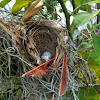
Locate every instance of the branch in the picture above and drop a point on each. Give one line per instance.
(73, 3)
(67, 16)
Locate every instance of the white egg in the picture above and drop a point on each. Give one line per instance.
(46, 55)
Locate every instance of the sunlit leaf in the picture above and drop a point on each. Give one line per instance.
(87, 93)
(65, 0)
(93, 57)
(96, 52)
(60, 10)
(83, 17)
(91, 61)
(33, 9)
(88, 26)
(4, 2)
(79, 37)
(83, 7)
(86, 45)
(85, 3)
(90, 1)
(20, 4)
(86, 8)
(77, 3)
(98, 14)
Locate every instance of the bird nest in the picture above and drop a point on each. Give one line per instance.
(35, 38)
(42, 39)
(38, 37)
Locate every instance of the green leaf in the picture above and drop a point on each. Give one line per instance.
(95, 25)
(86, 45)
(90, 1)
(49, 5)
(51, 18)
(86, 8)
(60, 10)
(65, 1)
(20, 4)
(91, 61)
(96, 52)
(83, 7)
(87, 93)
(85, 2)
(98, 14)
(88, 26)
(55, 16)
(80, 38)
(56, 3)
(96, 65)
(83, 17)
(93, 57)
(4, 2)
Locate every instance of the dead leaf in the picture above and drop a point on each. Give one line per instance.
(64, 77)
(33, 9)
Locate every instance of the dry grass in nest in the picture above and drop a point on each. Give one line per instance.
(42, 36)
(34, 38)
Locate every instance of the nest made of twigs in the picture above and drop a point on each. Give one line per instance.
(42, 36)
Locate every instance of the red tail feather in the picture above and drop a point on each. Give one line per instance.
(41, 69)
(64, 77)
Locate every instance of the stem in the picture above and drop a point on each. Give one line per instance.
(73, 3)
(76, 9)
(67, 16)
(98, 17)
(9, 64)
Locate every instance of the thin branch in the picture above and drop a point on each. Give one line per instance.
(67, 16)
(73, 3)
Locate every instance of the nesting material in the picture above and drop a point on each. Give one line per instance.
(44, 40)
(43, 36)
(40, 40)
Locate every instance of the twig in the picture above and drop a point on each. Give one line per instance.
(3, 25)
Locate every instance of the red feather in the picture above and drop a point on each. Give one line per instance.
(39, 70)
(64, 77)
